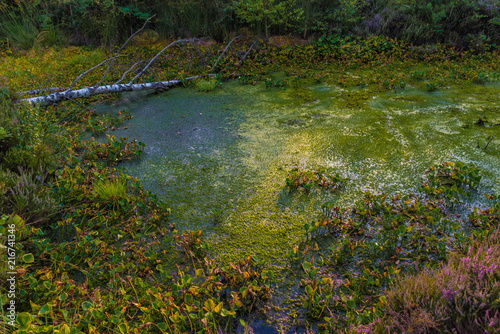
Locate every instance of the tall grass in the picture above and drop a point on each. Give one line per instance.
(20, 32)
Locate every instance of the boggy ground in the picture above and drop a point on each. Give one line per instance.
(273, 170)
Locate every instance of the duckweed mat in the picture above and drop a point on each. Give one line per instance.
(220, 159)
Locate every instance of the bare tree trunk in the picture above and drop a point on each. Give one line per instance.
(106, 89)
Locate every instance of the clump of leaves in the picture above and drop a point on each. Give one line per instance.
(487, 218)
(206, 86)
(449, 180)
(303, 179)
(98, 124)
(113, 151)
(417, 76)
(431, 87)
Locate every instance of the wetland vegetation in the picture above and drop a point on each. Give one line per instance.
(345, 180)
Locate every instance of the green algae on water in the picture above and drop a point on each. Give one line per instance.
(229, 151)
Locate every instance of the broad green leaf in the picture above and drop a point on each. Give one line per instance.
(28, 258)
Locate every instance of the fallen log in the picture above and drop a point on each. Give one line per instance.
(117, 87)
(106, 89)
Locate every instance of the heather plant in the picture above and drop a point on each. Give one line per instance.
(7, 180)
(31, 198)
(462, 296)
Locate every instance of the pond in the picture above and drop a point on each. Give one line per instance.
(220, 159)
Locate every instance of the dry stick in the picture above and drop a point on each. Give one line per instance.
(242, 59)
(223, 53)
(130, 69)
(119, 50)
(156, 56)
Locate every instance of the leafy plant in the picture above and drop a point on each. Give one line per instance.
(449, 180)
(431, 87)
(306, 179)
(110, 192)
(206, 85)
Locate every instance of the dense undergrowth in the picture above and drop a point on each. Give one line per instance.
(466, 24)
(95, 251)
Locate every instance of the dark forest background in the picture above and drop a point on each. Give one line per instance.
(464, 24)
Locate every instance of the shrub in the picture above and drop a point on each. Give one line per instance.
(31, 197)
(460, 297)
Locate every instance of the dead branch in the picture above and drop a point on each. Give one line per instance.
(70, 94)
(121, 48)
(127, 71)
(227, 46)
(87, 71)
(156, 56)
(242, 59)
(91, 91)
(41, 90)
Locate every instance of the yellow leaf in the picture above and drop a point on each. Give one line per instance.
(218, 308)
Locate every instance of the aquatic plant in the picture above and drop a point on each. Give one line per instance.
(98, 124)
(206, 85)
(449, 180)
(111, 152)
(304, 179)
(378, 239)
